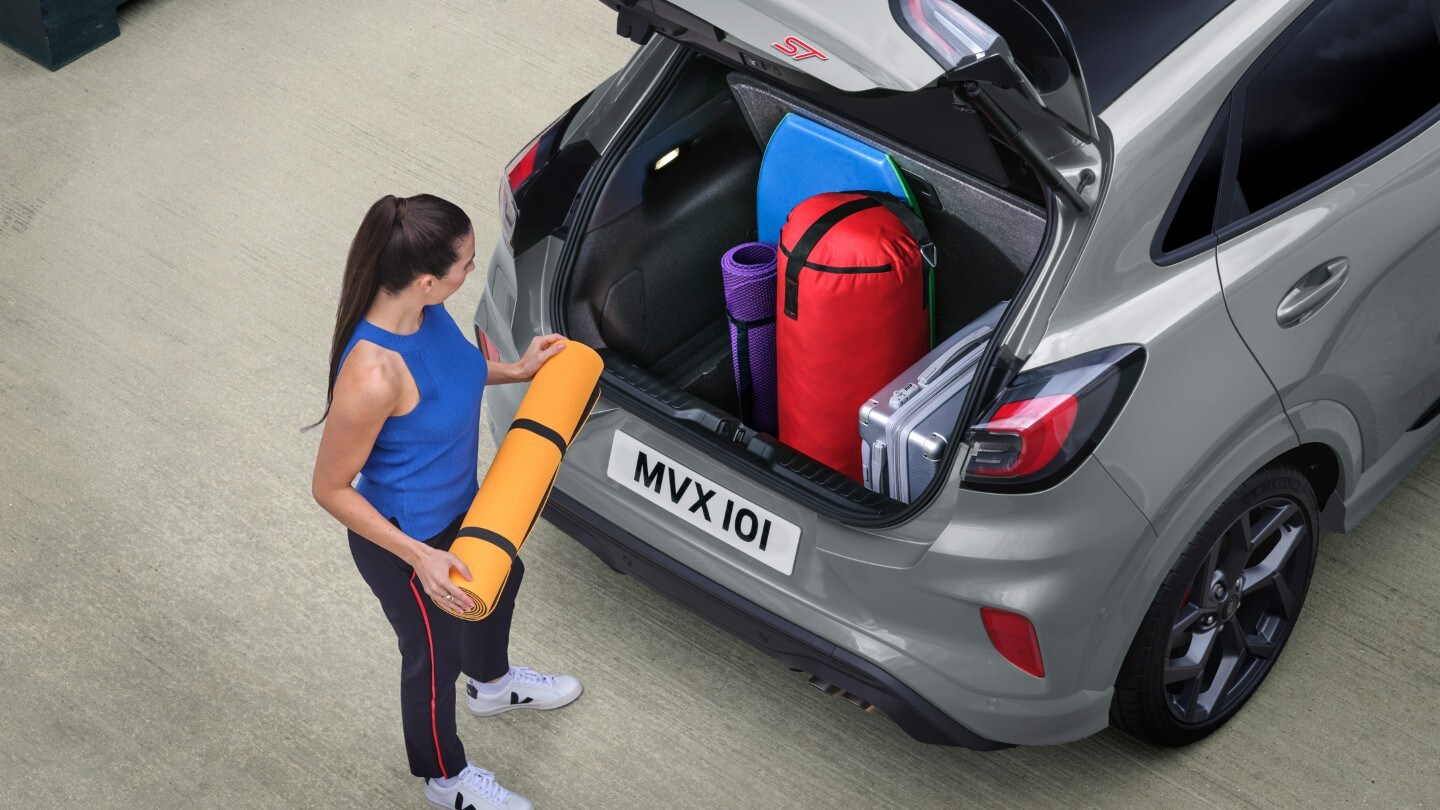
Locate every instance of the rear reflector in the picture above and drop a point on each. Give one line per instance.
(1014, 638)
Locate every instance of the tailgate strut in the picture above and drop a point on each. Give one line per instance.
(976, 97)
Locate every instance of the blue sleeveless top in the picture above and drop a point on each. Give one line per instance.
(422, 470)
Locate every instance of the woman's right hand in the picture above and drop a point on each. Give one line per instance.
(542, 348)
(433, 568)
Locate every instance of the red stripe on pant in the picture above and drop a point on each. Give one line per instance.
(434, 729)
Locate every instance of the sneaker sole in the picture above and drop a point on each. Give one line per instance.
(512, 707)
(450, 806)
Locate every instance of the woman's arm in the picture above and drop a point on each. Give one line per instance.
(500, 373)
(542, 348)
(365, 395)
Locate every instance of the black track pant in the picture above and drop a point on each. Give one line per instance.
(435, 648)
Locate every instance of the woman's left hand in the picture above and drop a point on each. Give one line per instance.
(542, 348)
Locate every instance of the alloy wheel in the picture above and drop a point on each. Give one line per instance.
(1238, 610)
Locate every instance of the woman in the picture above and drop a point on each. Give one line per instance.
(403, 412)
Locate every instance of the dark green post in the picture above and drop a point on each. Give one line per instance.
(57, 32)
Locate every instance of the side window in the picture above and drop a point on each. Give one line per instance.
(1356, 74)
(1342, 82)
(1192, 216)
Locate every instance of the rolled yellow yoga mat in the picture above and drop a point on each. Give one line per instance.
(520, 478)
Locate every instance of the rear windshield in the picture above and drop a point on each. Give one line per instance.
(1118, 41)
(928, 121)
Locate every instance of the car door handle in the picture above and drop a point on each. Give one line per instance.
(1311, 292)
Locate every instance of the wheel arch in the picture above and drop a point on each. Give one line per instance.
(1327, 427)
(1320, 465)
(1279, 493)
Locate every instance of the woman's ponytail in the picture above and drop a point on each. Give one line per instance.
(398, 239)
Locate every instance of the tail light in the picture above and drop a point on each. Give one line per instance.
(1049, 420)
(1013, 636)
(492, 354)
(523, 165)
(519, 170)
(515, 175)
(542, 181)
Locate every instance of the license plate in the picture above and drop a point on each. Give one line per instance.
(702, 503)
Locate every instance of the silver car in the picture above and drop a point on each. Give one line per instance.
(1217, 228)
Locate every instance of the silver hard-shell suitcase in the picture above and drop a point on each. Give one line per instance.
(905, 428)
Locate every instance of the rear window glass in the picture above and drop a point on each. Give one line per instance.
(1118, 41)
(928, 121)
(1354, 76)
(1194, 216)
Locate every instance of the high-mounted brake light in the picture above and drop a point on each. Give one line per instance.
(1013, 636)
(951, 35)
(1049, 419)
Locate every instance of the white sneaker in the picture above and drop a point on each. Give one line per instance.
(474, 789)
(525, 689)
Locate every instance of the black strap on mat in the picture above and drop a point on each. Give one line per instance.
(742, 358)
(800, 255)
(540, 430)
(494, 538)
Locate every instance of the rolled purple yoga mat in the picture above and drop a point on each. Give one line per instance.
(749, 272)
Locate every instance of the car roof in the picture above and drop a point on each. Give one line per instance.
(1118, 41)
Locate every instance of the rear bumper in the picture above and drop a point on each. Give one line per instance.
(793, 646)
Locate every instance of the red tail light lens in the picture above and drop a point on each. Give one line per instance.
(516, 173)
(542, 180)
(1013, 636)
(487, 348)
(1049, 419)
(523, 165)
(1036, 430)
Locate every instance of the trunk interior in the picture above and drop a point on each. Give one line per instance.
(646, 283)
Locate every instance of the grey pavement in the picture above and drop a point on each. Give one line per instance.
(183, 627)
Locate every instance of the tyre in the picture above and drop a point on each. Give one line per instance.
(1223, 613)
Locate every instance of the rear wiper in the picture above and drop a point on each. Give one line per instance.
(974, 95)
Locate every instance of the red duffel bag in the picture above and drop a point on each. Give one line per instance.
(853, 315)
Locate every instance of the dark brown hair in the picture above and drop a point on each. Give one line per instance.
(399, 239)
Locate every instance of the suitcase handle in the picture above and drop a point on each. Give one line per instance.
(956, 352)
(877, 477)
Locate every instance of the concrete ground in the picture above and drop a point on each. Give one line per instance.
(183, 627)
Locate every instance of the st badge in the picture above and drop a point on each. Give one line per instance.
(796, 49)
